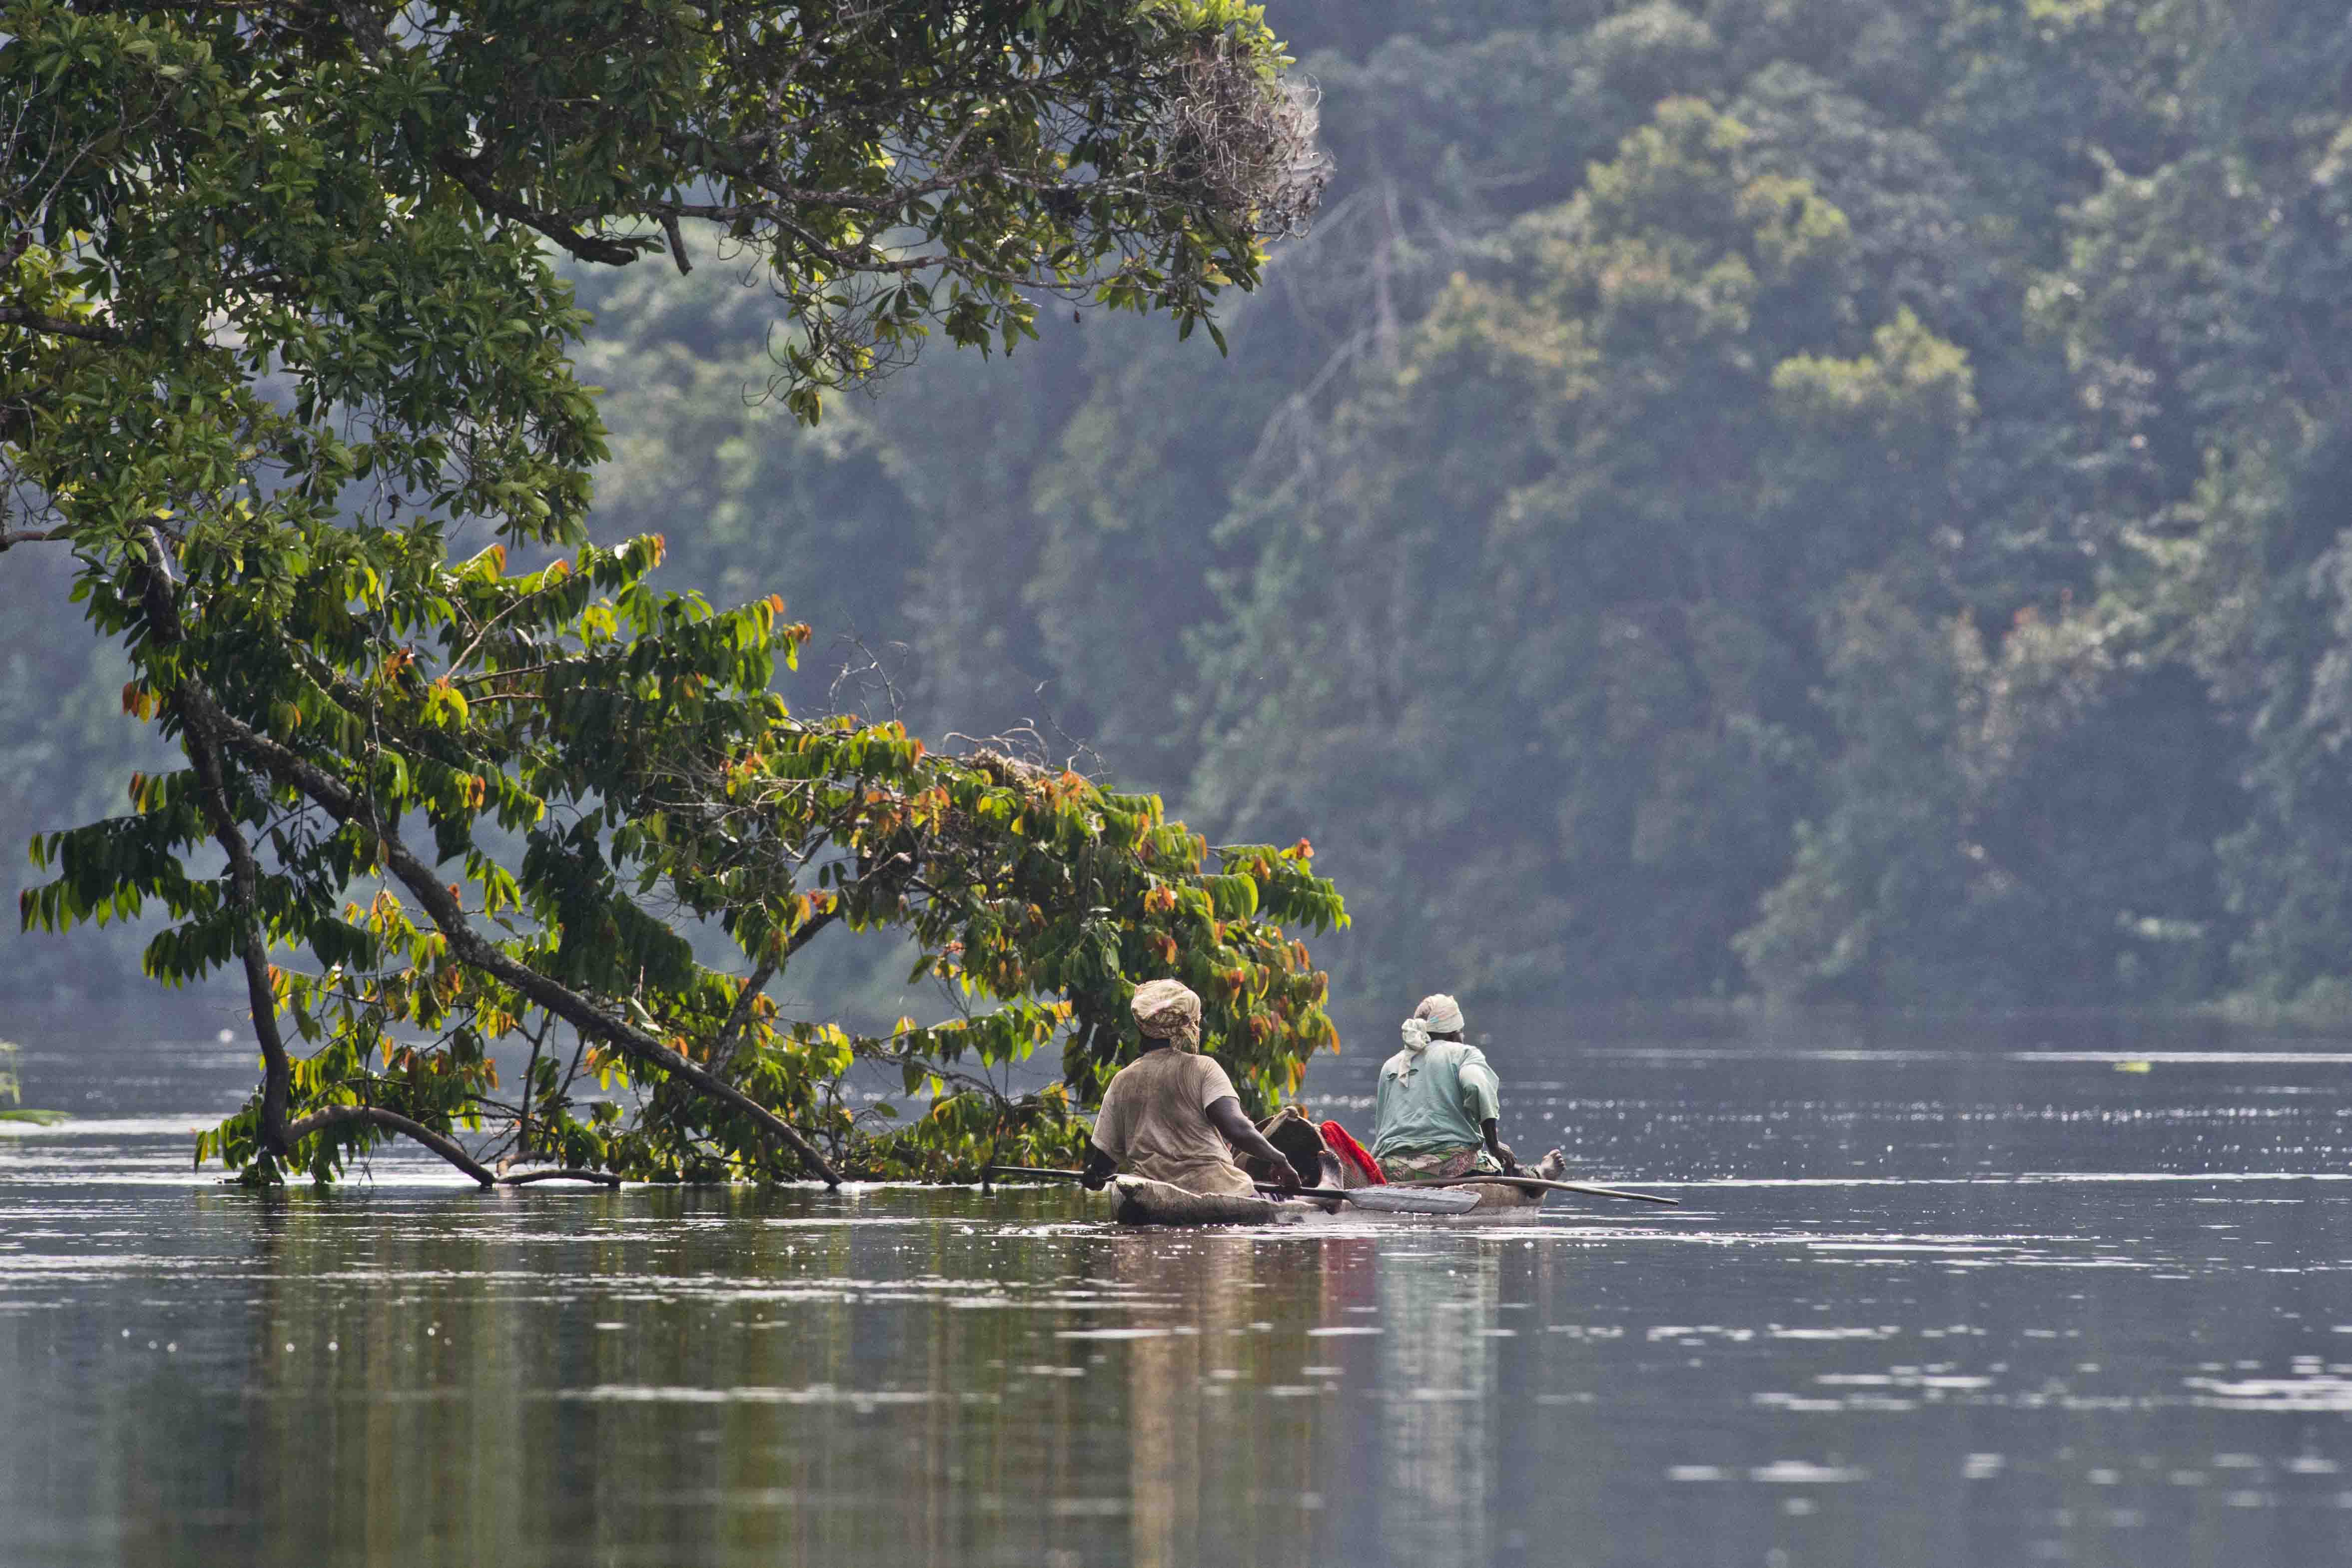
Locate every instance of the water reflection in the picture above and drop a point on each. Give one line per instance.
(1438, 1376)
(1921, 1306)
(1185, 1357)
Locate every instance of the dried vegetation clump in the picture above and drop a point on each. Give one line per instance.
(1243, 142)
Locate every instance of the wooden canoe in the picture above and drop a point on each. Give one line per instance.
(1137, 1201)
(1495, 1197)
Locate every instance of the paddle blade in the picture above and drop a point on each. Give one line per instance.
(1591, 1191)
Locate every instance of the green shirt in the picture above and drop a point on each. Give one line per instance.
(1432, 1101)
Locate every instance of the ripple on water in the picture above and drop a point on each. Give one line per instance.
(821, 1394)
(1803, 1472)
(2316, 1395)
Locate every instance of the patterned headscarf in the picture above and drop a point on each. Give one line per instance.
(1437, 1015)
(1167, 1010)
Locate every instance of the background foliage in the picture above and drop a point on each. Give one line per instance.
(1833, 498)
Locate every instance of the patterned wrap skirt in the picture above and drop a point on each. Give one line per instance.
(1446, 1163)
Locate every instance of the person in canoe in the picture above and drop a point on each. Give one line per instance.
(1171, 1114)
(1435, 1111)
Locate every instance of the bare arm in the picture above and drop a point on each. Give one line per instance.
(1225, 1116)
(1500, 1150)
(1100, 1168)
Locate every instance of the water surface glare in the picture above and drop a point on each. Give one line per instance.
(1938, 1295)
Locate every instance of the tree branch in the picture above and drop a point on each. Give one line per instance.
(376, 1116)
(530, 1078)
(59, 326)
(757, 982)
(470, 945)
(212, 794)
(278, 1134)
(723, 1050)
(468, 173)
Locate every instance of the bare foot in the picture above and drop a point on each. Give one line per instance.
(1551, 1167)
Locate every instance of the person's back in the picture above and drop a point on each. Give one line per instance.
(1154, 1118)
(1171, 1114)
(1432, 1101)
(1434, 1113)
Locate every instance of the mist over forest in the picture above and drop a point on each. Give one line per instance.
(1828, 500)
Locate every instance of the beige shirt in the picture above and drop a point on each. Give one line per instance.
(1154, 1120)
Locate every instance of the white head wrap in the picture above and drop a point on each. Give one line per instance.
(1168, 1010)
(1438, 1014)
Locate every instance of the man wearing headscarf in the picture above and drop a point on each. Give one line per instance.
(1436, 1107)
(1171, 1114)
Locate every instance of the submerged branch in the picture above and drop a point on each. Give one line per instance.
(391, 1121)
(560, 1173)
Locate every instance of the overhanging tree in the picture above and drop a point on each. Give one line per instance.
(278, 329)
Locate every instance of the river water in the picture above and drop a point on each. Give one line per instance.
(1941, 1291)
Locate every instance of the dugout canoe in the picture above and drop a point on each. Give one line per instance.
(1137, 1201)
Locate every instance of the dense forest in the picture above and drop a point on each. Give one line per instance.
(1825, 500)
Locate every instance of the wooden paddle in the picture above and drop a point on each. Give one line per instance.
(1385, 1200)
(1379, 1200)
(1531, 1183)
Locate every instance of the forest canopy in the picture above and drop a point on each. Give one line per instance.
(1830, 499)
(1837, 500)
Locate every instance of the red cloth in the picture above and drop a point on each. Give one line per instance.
(1355, 1153)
